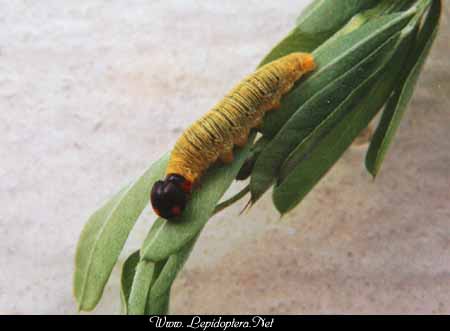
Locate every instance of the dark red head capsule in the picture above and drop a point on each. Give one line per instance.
(169, 197)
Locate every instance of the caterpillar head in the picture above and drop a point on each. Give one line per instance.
(169, 196)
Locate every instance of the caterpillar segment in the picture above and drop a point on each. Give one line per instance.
(226, 125)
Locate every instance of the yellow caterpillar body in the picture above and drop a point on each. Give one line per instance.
(228, 123)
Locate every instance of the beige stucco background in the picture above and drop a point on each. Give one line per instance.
(91, 92)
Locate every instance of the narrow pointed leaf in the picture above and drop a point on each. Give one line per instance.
(384, 7)
(104, 236)
(401, 49)
(398, 103)
(333, 60)
(357, 94)
(339, 79)
(317, 23)
(126, 279)
(158, 300)
(129, 272)
(329, 15)
(159, 305)
(170, 270)
(140, 288)
(307, 173)
(305, 167)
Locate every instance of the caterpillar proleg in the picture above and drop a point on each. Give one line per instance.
(227, 124)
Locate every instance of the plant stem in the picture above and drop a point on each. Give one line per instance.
(221, 206)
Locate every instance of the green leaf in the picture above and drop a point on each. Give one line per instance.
(376, 64)
(336, 77)
(129, 270)
(329, 15)
(173, 235)
(317, 23)
(402, 47)
(171, 268)
(398, 103)
(140, 288)
(104, 236)
(384, 7)
(126, 279)
(159, 305)
(333, 60)
(306, 166)
(158, 299)
(158, 289)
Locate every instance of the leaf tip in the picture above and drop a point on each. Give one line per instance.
(247, 206)
(372, 167)
(80, 307)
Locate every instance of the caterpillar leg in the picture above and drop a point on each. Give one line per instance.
(276, 105)
(242, 139)
(258, 125)
(227, 155)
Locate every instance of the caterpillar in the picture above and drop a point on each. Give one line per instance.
(227, 124)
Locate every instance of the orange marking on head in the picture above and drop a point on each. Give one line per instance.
(176, 211)
(156, 210)
(187, 186)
